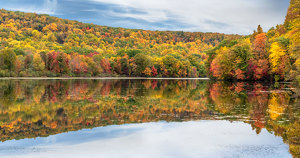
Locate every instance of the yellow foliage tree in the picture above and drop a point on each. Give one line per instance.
(38, 62)
(276, 53)
(36, 34)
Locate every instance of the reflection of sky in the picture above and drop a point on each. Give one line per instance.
(186, 139)
(230, 16)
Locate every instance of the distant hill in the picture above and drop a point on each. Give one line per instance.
(43, 45)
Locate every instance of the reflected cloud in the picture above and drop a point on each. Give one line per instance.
(186, 139)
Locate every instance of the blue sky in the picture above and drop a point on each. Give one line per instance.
(225, 16)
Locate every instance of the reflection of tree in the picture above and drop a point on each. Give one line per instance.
(41, 108)
(293, 138)
(277, 104)
(275, 109)
(258, 98)
(8, 94)
(227, 100)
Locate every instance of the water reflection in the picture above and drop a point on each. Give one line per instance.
(206, 139)
(39, 108)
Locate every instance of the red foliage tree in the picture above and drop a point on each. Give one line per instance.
(260, 63)
(154, 71)
(105, 64)
(259, 46)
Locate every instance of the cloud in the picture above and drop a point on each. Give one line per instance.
(225, 16)
(157, 139)
(41, 7)
(230, 16)
(49, 6)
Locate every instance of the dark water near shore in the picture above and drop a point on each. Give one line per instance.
(148, 118)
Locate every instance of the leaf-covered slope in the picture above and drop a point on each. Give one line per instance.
(28, 38)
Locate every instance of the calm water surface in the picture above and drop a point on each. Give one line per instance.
(148, 118)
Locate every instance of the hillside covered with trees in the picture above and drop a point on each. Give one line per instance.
(42, 45)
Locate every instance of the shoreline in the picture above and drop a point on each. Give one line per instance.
(98, 78)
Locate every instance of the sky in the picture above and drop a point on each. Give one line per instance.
(224, 16)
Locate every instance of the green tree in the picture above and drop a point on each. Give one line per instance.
(170, 64)
(124, 65)
(142, 61)
(9, 58)
(259, 29)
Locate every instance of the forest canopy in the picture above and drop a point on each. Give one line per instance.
(42, 45)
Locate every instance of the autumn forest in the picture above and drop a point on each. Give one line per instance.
(39, 45)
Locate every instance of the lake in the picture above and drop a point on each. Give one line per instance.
(148, 118)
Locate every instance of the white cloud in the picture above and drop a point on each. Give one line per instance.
(230, 16)
(226, 16)
(47, 7)
(187, 139)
